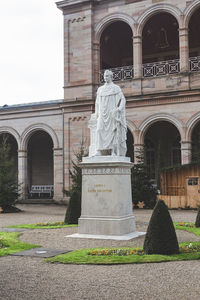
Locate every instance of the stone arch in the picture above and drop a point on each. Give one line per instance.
(159, 117)
(155, 9)
(33, 128)
(131, 126)
(188, 12)
(12, 131)
(191, 123)
(99, 28)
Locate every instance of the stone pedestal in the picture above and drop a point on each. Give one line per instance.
(106, 199)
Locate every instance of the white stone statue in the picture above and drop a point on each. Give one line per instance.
(109, 120)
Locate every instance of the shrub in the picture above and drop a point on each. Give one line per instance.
(197, 222)
(161, 236)
(73, 212)
(9, 189)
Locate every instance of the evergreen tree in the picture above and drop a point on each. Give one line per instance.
(142, 189)
(74, 207)
(197, 222)
(161, 236)
(9, 189)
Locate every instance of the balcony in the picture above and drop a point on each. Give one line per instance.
(156, 69)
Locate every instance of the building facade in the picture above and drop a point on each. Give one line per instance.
(153, 49)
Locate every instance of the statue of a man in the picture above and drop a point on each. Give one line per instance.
(111, 119)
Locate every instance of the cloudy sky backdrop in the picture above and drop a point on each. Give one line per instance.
(31, 51)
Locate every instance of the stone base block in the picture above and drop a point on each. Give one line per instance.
(106, 226)
(124, 237)
(106, 196)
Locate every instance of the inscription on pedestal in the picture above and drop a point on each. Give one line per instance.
(100, 188)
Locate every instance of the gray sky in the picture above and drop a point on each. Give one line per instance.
(31, 51)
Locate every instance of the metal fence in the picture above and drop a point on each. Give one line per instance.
(119, 74)
(194, 64)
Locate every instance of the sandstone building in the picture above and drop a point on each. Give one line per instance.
(153, 48)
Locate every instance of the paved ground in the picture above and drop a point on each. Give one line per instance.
(30, 278)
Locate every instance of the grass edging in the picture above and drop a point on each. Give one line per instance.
(37, 226)
(9, 243)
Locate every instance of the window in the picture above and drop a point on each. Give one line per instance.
(193, 181)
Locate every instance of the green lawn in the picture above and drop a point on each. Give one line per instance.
(43, 225)
(190, 227)
(9, 243)
(82, 257)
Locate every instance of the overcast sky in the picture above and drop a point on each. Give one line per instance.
(31, 51)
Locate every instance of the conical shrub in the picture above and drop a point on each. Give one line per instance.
(161, 236)
(73, 212)
(197, 222)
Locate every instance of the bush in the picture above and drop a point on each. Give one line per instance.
(161, 236)
(73, 212)
(9, 189)
(197, 222)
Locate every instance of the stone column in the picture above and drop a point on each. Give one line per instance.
(96, 62)
(58, 175)
(186, 152)
(22, 173)
(137, 56)
(138, 148)
(184, 49)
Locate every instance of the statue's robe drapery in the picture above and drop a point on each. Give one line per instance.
(111, 123)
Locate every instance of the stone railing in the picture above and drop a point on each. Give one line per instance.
(161, 68)
(194, 64)
(120, 73)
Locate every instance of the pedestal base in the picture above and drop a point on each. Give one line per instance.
(106, 197)
(125, 237)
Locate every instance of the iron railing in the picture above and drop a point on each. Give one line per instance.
(119, 74)
(161, 68)
(155, 69)
(194, 64)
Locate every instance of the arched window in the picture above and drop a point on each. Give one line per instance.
(162, 141)
(116, 46)
(40, 160)
(194, 34)
(160, 38)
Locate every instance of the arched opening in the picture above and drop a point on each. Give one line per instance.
(160, 43)
(130, 145)
(40, 164)
(196, 143)
(13, 148)
(162, 148)
(194, 36)
(116, 46)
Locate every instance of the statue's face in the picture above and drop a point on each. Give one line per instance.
(107, 77)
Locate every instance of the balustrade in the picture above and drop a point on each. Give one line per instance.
(155, 69)
(194, 64)
(119, 74)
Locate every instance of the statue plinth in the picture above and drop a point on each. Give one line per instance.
(106, 199)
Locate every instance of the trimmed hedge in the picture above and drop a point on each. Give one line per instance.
(161, 236)
(197, 222)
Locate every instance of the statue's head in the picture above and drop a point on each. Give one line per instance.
(108, 76)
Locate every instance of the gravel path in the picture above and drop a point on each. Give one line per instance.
(30, 278)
